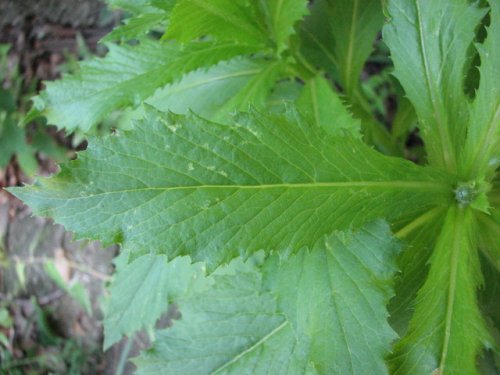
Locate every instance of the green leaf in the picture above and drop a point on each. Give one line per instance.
(324, 108)
(208, 92)
(137, 27)
(137, 7)
(142, 291)
(447, 330)
(125, 77)
(405, 119)
(76, 290)
(331, 319)
(337, 299)
(281, 16)
(342, 34)
(482, 149)
(5, 318)
(256, 92)
(182, 185)
(317, 39)
(354, 25)
(146, 15)
(13, 142)
(81, 295)
(489, 235)
(419, 237)
(429, 42)
(229, 328)
(227, 20)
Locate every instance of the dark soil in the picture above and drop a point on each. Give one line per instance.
(51, 332)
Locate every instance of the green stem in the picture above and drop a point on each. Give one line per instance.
(124, 356)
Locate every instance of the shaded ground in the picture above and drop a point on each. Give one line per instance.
(51, 329)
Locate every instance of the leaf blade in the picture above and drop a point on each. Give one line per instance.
(342, 34)
(336, 294)
(187, 186)
(481, 155)
(447, 329)
(232, 20)
(429, 43)
(125, 77)
(324, 107)
(141, 292)
(281, 15)
(238, 327)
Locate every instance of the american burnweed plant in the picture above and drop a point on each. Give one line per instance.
(253, 188)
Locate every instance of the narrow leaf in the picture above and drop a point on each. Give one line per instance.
(324, 108)
(419, 238)
(342, 33)
(482, 150)
(137, 27)
(447, 330)
(207, 92)
(355, 25)
(429, 41)
(125, 77)
(218, 92)
(137, 7)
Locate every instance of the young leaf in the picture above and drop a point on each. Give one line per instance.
(137, 27)
(207, 91)
(125, 77)
(227, 20)
(447, 330)
(137, 7)
(429, 41)
(324, 108)
(141, 292)
(333, 321)
(217, 92)
(146, 15)
(280, 16)
(355, 25)
(482, 149)
(351, 28)
(219, 191)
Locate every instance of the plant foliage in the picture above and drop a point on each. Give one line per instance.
(251, 188)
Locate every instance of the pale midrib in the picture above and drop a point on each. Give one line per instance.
(203, 82)
(414, 185)
(245, 352)
(458, 232)
(322, 47)
(418, 222)
(255, 85)
(441, 125)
